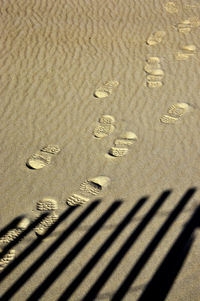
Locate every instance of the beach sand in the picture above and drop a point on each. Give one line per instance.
(64, 65)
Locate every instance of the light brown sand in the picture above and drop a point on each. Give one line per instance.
(54, 55)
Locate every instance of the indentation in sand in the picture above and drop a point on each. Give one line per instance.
(95, 185)
(47, 205)
(178, 109)
(168, 119)
(107, 119)
(186, 25)
(14, 233)
(188, 51)
(105, 127)
(39, 160)
(24, 223)
(42, 158)
(154, 72)
(171, 7)
(103, 130)
(175, 111)
(153, 60)
(76, 200)
(46, 223)
(7, 258)
(126, 139)
(118, 151)
(10, 236)
(106, 89)
(156, 38)
(51, 149)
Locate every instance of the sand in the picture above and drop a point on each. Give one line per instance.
(60, 62)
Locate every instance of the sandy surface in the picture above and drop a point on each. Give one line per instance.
(54, 55)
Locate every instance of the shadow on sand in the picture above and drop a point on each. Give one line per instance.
(160, 283)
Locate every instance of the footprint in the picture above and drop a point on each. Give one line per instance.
(95, 185)
(42, 158)
(126, 139)
(105, 127)
(46, 223)
(188, 51)
(175, 111)
(178, 109)
(168, 119)
(51, 149)
(92, 186)
(155, 38)
(171, 7)
(187, 25)
(46, 205)
(14, 233)
(7, 258)
(120, 149)
(106, 89)
(76, 200)
(154, 72)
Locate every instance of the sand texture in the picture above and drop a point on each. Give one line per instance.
(99, 100)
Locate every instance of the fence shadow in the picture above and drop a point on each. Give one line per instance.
(162, 281)
(143, 259)
(23, 233)
(181, 246)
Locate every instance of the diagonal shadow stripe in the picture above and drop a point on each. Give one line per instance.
(41, 260)
(73, 253)
(105, 275)
(163, 279)
(152, 246)
(34, 245)
(105, 246)
(11, 225)
(22, 234)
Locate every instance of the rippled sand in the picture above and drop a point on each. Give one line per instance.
(57, 58)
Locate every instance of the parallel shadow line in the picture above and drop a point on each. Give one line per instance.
(105, 275)
(34, 244)
(104, 247)
(11, 225)
(162, 281)
(43, 287)
(23, 234)
(152, 246)
(42, 259)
